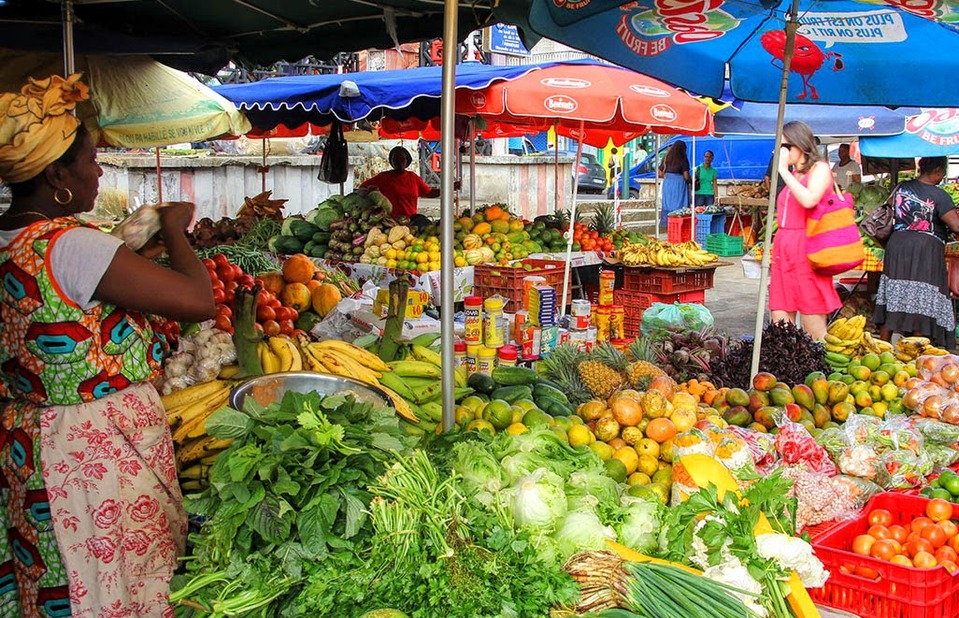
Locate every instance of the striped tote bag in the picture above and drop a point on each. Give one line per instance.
(833, 243)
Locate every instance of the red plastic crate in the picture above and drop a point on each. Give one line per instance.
(491, 280)
(898, 591)
(679, 229)
(667, 281)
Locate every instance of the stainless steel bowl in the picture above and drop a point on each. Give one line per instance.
(269, 388)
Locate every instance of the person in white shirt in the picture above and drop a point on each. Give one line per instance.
(846, 169)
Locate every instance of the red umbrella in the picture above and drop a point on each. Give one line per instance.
(591, 101)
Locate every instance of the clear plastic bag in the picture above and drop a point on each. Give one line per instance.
(675, 317)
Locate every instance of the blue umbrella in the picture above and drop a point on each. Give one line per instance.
(320, 99)
(847, 52)
(835, 120)
(929, 133)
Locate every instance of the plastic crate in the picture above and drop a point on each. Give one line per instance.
(658, 281)
(724, 245)
(898, 591)
(634, 305)
(492, 280)
(709, 224)
(679, 229)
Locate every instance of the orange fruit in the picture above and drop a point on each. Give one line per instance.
(945, 553)
(917, 547)
(938, 509)
(901, 560)
(661, 429)
(880, 517)
(883, 550)
(298, 269)
(924, 560)
(296, 295)
(879, 532)
(919, 523)
(950, 566)
(949, 527)
(898, 533)
(935, 535)
(273, 281)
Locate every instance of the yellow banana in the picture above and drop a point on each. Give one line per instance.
(197, 449)
(278, 347)
(229, 371)
(191, 394)
(460, 376)
(359, 371)
(422, 353)
(309, 361)
(832, 339)
(194, 426)
(185, 414)
(401, 406)
(268, 360)
(360, 355)
(416, 369)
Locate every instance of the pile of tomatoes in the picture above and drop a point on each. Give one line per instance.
(924, 542)
(272, 317)
(590, 240)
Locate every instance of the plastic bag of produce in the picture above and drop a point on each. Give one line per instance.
(733, 452)
(936, 432)
(762, 446)
(795, 445)
(942, 455)
(693, 441)
(677, 317)
(860, 490)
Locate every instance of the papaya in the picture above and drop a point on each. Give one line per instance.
(324, 298)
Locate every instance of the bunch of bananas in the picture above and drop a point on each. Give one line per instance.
(417, 380)
(662, 253)
(187, 411)
(848, 336)
(278, 354)
(909, 348)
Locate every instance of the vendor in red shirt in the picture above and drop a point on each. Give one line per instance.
(401, 187)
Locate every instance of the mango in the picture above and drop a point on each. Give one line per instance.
(887, 358)
(889, 392)
(847, 379)
(781, 396)
(810, 427)
(736, 397)
(803, 395)
(766, 416)
(757, 427)
(879, 377)
(890, 368)
(859, 372)
(757, 399)
(764, 381)
(820, 415)
(842, 410)
(794, 412)
(815, 375)
(835, 375)
(738, 415)
(838, 391)
(863, 400)
(871, 360)
(820, 389)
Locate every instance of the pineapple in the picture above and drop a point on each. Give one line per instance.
(603, 371)
(560, 367)
(604, 219)
(642, 371)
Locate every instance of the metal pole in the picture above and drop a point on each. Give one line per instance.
(692, 196)
(472, 166)
(69, 60)
(556, 176)
(572, 218)
(447, 118)
(657, 207)
(792, 24)
(159, 178)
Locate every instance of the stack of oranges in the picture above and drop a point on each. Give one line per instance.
(924, 542)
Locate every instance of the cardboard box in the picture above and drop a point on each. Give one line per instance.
(416, 301)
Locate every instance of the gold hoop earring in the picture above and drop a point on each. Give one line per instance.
(59, 200)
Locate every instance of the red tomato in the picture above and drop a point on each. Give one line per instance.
(263, 298)
(220, 260)
(223, 323)
(216, 284)
(880, 517)
(246, 281)
(210, 264)
(219, 295)
(237, 271)
(225, 310)
(271, 328)
(228, 298)
(264, 313)
(286, 327)
(292, 314)
(275, 303)
(230, 286)
(225, 273)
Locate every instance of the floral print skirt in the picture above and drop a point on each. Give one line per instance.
(92, 509)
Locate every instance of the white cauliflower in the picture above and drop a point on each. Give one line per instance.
(735, 574)
(794, 554)
(700, 557)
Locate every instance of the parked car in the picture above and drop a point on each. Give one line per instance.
(592, 175)
(735, 157)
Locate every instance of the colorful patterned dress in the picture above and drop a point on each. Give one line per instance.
(88, 491)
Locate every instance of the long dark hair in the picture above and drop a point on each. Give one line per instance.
(675, 156)
(799, 134)
(29, 187)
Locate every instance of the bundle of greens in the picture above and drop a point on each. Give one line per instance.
(290, 491)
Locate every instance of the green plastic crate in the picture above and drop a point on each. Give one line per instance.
(725, 245)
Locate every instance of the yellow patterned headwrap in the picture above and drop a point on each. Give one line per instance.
(36, 126)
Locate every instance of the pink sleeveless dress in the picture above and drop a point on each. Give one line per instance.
(793, 285)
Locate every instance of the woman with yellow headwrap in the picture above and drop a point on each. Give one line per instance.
(88, 492)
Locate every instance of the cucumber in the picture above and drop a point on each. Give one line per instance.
(512, 376)
(556, 408)
(549, 382)
(512, 394)
(481, 382)
(545, 391)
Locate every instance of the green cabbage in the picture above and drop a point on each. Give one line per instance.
(590, 489)
(640, 523)
(482, 475)
(538, 500)
(541, 448)
(582, 530)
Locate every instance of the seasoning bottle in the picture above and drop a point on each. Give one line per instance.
(492, 313)
(459, 353)
(473, 319)
(472, 356)
(617, 322)
(506, 357)
(607, 282)
(486, 360)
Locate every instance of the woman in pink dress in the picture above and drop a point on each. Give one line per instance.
(794, 287)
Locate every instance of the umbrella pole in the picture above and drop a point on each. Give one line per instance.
(69, 60)
(263, 167)
(556, 176)
(792, 24)
(447, 118)
(692, 198)
(472, 166)
(657, 206)
(572, 218)
(159, 178)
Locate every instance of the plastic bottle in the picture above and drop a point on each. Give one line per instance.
(506, 356)
(486, 360)
(492, 313)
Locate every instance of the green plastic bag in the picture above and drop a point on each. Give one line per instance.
(675, 317)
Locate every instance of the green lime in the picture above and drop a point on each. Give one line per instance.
(499, 414)
(950, 484)
(927, 491)
(934, 483)
(538, 418)
(941, 493)
(616, 470)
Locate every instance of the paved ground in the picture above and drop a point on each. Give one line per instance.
(734, 299)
